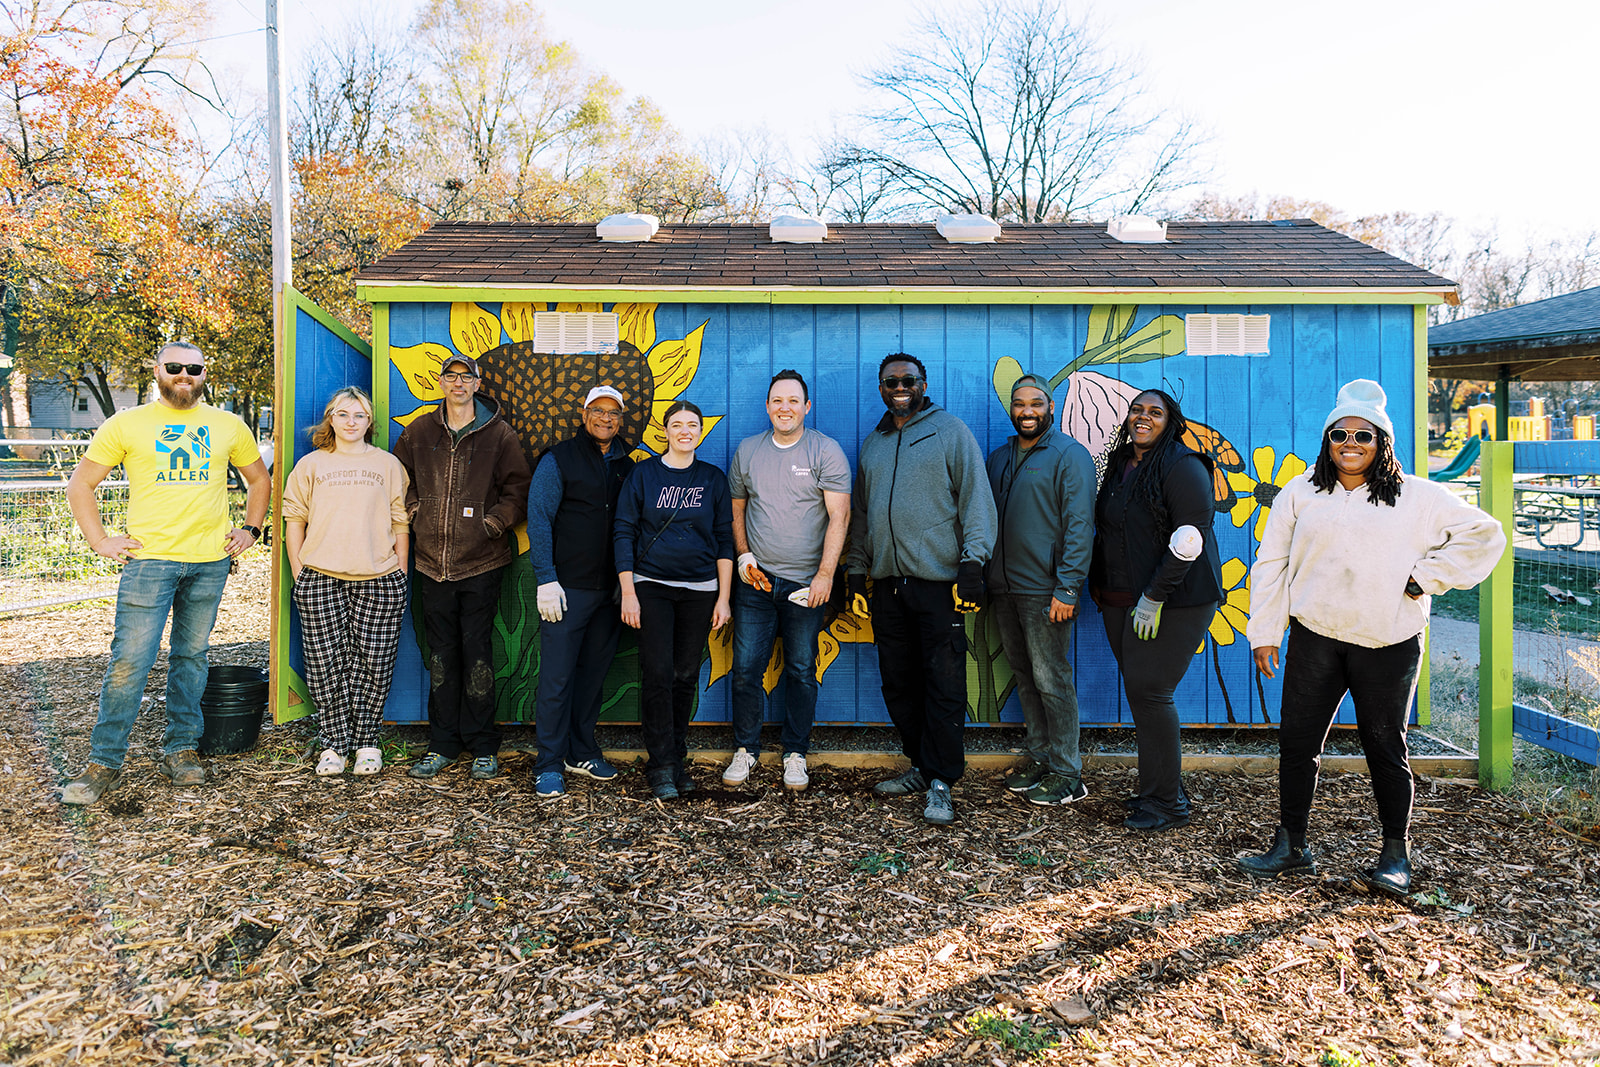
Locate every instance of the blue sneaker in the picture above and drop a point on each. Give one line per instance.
(597, 768)
(550, 784)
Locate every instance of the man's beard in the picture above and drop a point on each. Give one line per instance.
(1040, 426)
(169, 393)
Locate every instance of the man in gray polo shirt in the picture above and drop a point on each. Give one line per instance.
(791, 510)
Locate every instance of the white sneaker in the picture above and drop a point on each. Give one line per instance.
(368, 761)
(794, 771)
(331, 765)
(738, 771)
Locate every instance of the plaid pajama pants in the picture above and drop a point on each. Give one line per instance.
(349, 632)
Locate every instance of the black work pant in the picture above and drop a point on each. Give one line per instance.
(673, 626)
(1317, 672)
(922, 659)
(458, 618)
(1151, 671)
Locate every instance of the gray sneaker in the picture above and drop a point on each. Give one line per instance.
(486, 767)
(95, 782)
(1056, 789)
(908, 783)
(429, 766)
(941, 810)
(183, 767)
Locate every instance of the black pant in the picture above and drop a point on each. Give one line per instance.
(1151, 671)
(922, 659)
(458, 618)
(1317, 672)
(673, 626)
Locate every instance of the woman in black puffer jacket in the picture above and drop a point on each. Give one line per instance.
(1156, 577)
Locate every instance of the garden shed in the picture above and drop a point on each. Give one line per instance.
(1251, 325)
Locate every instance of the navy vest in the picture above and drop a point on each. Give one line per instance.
(581, 534)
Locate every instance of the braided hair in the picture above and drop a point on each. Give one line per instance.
(1146, 477)
(1384, 477)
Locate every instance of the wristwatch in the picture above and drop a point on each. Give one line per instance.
(253, 531)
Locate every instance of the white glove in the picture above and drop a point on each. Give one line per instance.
(747, 567)
(552, 601)
(1186, 543)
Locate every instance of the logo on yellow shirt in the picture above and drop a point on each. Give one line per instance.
(188, 452)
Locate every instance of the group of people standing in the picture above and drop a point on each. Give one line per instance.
(927, 531)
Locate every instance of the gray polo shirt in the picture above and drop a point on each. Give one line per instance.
(785, 516)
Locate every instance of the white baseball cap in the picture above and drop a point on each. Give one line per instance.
(603, 390)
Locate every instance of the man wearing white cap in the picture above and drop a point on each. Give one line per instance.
(571, 505)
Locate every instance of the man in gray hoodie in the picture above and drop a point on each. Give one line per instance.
(1044, 488)
(922, 518)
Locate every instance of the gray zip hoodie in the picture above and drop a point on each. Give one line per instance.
(1045, 497)
(921, 503)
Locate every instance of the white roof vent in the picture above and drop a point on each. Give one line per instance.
(630, 227)
(967, 229)
(1137, 230)
(577, 332)
(797, 229)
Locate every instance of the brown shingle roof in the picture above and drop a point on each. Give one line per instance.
(1287, 254)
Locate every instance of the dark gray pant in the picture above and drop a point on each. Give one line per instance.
(1151, 671)
(1040, 654)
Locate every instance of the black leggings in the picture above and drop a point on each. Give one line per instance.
(673, 626)
(1317, 672)
(1151, 671)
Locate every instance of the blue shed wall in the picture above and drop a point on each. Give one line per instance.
(1261, 409)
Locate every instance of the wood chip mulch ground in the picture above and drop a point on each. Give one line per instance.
(274, 917)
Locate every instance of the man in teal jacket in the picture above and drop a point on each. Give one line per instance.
(922, 518)
(1044, 485)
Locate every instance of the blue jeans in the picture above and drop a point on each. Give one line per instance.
(149, 590)
(1040, 652)
(757, 618)
(574, 655)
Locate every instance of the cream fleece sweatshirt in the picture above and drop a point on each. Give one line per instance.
(352, 505)
(1340, 563)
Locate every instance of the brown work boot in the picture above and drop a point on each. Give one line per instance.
(95, 782)
(183, 767)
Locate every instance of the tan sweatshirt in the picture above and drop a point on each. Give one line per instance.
(1339, 563)
(352, 506)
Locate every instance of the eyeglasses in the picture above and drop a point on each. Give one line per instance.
(451, 377)
(602, 414)
(904, 381)
(194, 369)
(1362, 437)
(352, 416)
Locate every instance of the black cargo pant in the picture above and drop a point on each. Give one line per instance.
(458, 618)
(922, 659)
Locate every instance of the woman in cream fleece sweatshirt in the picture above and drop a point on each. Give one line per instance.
(1351, 554)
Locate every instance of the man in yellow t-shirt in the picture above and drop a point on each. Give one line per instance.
(176, 554)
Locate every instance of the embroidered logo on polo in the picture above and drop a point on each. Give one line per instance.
(188, 452)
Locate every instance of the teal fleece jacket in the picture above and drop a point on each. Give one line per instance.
(921, 503)
(1045, 498)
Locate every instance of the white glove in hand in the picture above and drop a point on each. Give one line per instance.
(750, 572)
(552, 601)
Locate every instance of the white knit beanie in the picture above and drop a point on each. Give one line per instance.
(1365, 399)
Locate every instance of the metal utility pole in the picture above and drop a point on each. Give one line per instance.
(278, 136)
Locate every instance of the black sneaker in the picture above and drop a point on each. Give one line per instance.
(904, 785)
(1026, 777)
(1056, 789)
(663, 784)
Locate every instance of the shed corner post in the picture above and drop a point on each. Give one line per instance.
(1494, 626)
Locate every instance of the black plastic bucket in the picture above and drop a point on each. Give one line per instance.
(234, 701)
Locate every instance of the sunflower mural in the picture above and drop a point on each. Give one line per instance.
(1255, 495)
(541, 396)
(843, 629)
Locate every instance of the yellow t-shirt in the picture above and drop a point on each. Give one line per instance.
(177, 465)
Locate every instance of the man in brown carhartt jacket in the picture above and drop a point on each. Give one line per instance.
(469, 487)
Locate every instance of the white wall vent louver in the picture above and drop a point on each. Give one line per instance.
(967, 229)
(574, 332)
(1227, 335)
(630, 227)
(1137, 230)
(797, 229)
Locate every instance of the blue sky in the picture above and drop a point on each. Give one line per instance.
(1477, 109)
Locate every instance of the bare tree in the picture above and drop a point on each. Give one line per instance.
(355, 97)
(1016, 111)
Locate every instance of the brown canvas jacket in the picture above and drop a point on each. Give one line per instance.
(465, 495)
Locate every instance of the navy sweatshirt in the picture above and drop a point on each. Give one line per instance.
(672, 524)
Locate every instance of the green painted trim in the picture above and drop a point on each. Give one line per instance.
(1494, 626)
(1419, 404)
(375, 293)
(286, 712)
(380, 375)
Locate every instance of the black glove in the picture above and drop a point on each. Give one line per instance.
(969, 586)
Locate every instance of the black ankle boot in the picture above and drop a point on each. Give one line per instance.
(1289, 854)
(1393, 873)
(663, 783)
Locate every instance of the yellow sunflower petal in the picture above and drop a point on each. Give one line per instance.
(721, 646)
(1263, 459)
(420, 366)
(827, 652)
(521, 531)
(1293, 467)
(673, 363)
(472, 329)
(852, 629)
(1261, 523)
(1242, 507)
(769, 681)
(1221, 631)
(517, 319)
(636, 324)
(1232, 572)
(411, 416)
(579, 307)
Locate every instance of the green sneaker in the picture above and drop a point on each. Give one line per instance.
(486, 767)
(1054, 789)
(1024, 778)
(429, 766)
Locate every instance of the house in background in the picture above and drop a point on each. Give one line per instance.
(56, 405)
(1251, 325)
